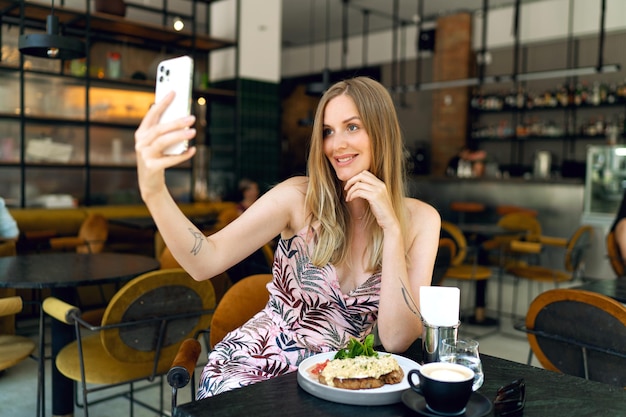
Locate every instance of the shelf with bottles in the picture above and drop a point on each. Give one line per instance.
(590, 127)
(582, 95)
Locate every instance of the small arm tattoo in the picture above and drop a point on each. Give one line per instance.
(409, 301)
(197, 244)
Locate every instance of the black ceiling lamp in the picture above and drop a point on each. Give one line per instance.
(51, 44)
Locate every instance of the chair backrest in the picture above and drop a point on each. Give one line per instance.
(578, 244)
(243, 300)
(166, 293)
(221, 283)
(268, 253)
(615, 257)
(580, 333)
(94, 230)
(452, 231)
(523, 223)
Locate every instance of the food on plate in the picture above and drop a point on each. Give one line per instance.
(359, 367)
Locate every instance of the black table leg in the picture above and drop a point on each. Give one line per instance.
(480, 318)
(61, 335)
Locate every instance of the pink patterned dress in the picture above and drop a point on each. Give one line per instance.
(306, 314)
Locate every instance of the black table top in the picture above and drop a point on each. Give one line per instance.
(70, 269)
(547, 394)
(614, 288)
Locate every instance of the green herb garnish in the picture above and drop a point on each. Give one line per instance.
(356, 348)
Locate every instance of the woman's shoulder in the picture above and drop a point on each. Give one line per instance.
(421, 212)
(289, 197)
(414, 204)
(291, 187)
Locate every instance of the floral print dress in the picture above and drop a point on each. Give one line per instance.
(306, 314)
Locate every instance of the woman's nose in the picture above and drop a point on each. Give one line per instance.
(340, 141)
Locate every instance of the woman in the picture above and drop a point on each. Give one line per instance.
(619, 227)
(249, 193)
(353, 250)
(8, 226)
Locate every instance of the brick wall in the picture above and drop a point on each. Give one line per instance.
(452, 61)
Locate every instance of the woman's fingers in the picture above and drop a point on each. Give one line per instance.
(155, 111)
(364, 185)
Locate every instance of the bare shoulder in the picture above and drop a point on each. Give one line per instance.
(291, 188)
(289, 196)
(422, 216)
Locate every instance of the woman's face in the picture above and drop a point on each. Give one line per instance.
(346, 143)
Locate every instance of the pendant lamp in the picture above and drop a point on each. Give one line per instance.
(51, 44)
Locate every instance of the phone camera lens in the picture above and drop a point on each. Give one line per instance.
(167, 72)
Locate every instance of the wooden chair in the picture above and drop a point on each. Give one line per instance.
(91, 237)
(573, 260)
(268, 252)
(142, 328)
(13, 349)
(579, 333)
(519, 225)
(240, 303)
(615, 257)
(463, 268)
(7, 323)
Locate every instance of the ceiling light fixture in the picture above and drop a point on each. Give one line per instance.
(51, 44)
(178, 24)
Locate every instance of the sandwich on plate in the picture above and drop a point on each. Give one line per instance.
(359, 366)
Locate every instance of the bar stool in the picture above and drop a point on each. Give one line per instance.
(464, 267)
(461, 208)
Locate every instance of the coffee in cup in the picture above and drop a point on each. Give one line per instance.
(446, 387)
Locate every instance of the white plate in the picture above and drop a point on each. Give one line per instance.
(387, 394)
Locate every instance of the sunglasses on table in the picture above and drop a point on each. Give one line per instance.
(510, 399)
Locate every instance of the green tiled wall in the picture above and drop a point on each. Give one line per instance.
(256, 154)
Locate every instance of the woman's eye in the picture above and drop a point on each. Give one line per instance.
(326, 132)
(352, 128)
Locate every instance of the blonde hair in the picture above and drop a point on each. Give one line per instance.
(324, 194)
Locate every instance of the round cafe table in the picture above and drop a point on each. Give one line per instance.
(62, 273)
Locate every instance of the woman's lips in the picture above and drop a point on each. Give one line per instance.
(344, 159)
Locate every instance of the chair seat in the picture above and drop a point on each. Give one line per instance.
(100, 367)
(14, 349)
(469, 272)
(539, 273)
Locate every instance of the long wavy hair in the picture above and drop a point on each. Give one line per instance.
(324, 198)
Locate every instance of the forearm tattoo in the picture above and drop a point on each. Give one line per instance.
(409, 301)
(197, 243)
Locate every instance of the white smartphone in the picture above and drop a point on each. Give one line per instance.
(175, 74)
